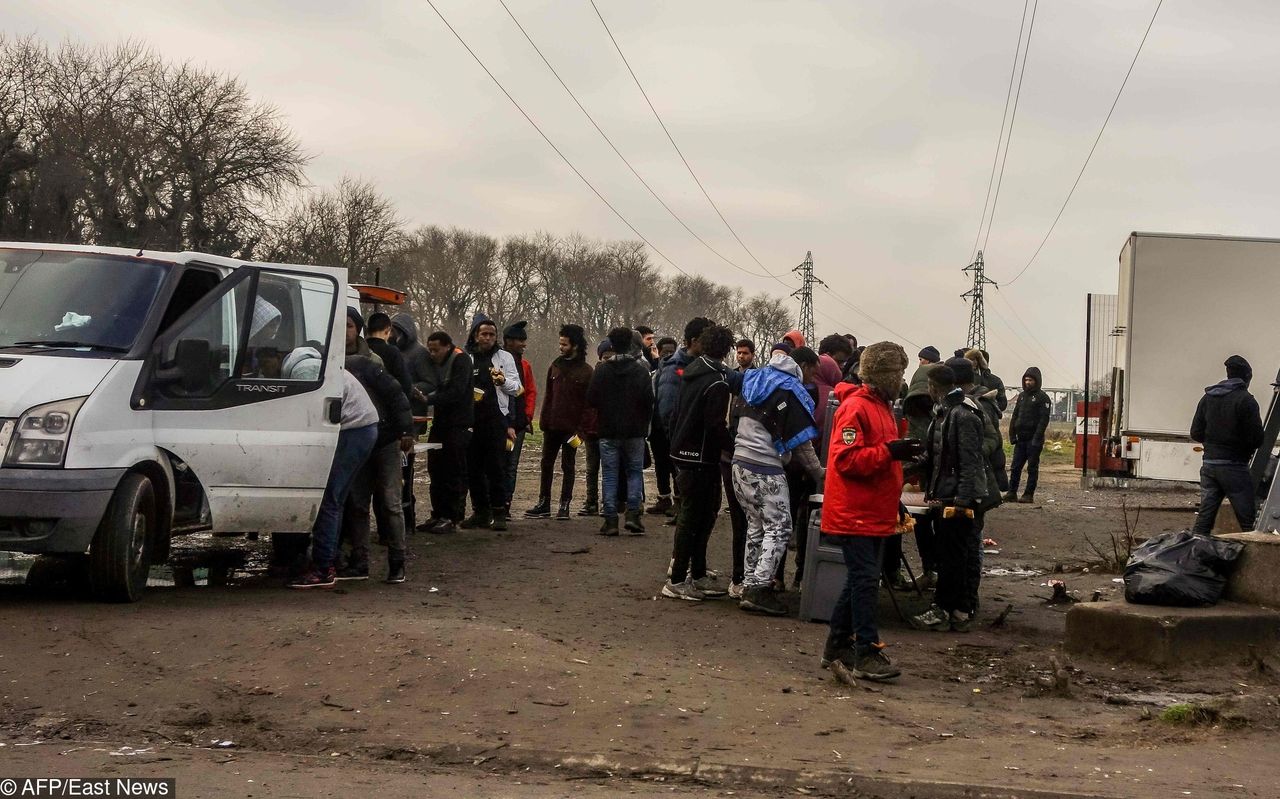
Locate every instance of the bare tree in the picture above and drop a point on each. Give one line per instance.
(352, 226)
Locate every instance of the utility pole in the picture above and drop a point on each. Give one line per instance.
(805, 293)
(977, 309)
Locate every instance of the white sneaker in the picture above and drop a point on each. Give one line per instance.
(735, 590)
(685, 591)
(670, 565)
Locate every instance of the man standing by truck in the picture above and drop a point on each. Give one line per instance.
(1229, 424)
(1026, 433)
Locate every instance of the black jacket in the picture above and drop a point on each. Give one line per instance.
(993, 383)
(416, 357)
(955, 464)
(1228, 422)
(1031, 415)
(393, 362)
(450, 391)
(622, 395)
(700, 427)
(394, 417)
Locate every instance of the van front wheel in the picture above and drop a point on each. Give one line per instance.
(120, 556)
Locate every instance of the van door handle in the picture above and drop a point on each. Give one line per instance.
(333, 409)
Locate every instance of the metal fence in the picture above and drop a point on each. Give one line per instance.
(1100, 343)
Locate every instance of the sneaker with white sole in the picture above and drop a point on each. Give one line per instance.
(935, 618)
(686, 591)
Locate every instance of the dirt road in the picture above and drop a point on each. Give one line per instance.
(548, 648)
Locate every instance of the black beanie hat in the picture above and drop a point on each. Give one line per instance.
(1238, 367)
(930, 354)
(962, 368)
(354, 316)
(517, 331)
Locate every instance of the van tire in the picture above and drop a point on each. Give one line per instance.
(120, 556)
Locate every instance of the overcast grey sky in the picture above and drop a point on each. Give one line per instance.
(863, 131)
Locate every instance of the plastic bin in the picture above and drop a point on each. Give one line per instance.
(824, 570)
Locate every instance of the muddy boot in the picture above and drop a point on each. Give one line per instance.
(610, 526)
(500, 518)
(662, 505)
(562, 515)
(1010, 496)
(395, 567)
(635, 524)
(540, 511)
(1027, 499)
(482, 518)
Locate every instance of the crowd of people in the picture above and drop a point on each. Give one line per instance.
(787, 438)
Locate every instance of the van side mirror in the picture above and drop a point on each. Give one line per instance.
(194, 364)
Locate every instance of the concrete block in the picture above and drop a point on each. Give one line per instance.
(1164, 636)
(1255, 580)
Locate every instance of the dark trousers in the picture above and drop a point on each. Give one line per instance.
(662, 467)
(737, 521)
(486, 467)
(376, 485)
(592, 445)
(959, 563)
(700, 502)
(1220, 481)
(926, 543)
(998, 466)
(447, 468)
(353, 450)
(556, 442)
(408, 502)
(854, 615)
(1025, 454)
(512, 467)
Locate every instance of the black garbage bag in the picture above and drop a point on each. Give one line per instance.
(1179, 569)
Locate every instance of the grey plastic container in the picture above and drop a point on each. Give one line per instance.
(824, 570)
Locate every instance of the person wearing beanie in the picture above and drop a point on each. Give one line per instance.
(862, 507)
(663, 469)
(957, 487)
(563, 404)
(784, 346)
(795, 337)
(497, 381)
(515, 338)
(1027, 427)
(1229, 424)
(929, 355)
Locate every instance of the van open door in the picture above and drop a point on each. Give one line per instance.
(246, 390)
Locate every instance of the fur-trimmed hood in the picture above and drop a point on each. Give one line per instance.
(882, 366)
(978, 359)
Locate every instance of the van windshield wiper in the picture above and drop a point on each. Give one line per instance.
(69, 345)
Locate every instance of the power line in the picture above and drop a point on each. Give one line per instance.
(1031, 333)
(1097, 139)
(1026, 52)
(869, 317)
(552, 144)
(995, 157)
(618, 152)
(671, 139)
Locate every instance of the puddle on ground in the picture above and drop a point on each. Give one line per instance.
(189, 550)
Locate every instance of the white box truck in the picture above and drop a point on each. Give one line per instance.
(1186, 303)
(141, 392)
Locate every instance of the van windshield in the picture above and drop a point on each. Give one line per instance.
(74, 301)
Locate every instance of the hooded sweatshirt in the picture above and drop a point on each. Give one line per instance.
(621, 393)
(777, 420)
(829, 376)
(1228, 422)
(1031, 415)
(668, 387)
(416, 358)
(699, 428)
(918, 405)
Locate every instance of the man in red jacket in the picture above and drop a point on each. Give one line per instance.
(862, 506)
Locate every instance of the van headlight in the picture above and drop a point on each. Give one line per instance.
(41, 435)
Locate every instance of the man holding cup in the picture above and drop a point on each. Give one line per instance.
(495, 382)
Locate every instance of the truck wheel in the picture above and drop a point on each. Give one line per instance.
(120, 556)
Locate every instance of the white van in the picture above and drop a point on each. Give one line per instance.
(145, 392)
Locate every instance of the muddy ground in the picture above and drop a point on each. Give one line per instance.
(547, 652)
